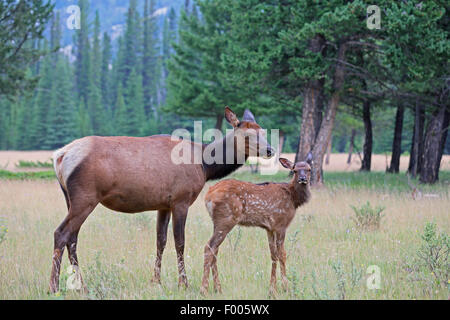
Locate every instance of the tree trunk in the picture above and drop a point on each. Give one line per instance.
(219, 121)
(326, 128)
(312, 107)
(429, 171)
(397, 142)
(352, 144)
(444, 136)
(327, 158)
(307, 130)
(415, 158)
(368, 138)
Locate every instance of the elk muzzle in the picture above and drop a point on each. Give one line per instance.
(302, 177)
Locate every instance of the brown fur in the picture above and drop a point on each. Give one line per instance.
(270, 206)
(128, 174)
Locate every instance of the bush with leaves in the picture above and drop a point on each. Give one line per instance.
(433, 253)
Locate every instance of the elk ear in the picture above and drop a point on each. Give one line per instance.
(248, 116)
(286, 163)
(309, 158)
(231, 117)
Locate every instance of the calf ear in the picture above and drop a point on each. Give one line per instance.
(309, 158)
(286, 163)
(231, 117)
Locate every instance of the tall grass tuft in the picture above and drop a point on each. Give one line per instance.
(366, 217)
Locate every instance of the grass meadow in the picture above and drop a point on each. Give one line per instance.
(328, 254)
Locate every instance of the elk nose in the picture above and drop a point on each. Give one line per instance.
(270, 152)
(302, 179)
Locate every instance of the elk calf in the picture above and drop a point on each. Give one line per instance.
(268, 205)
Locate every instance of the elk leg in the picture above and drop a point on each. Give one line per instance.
(211, 251)
(57, 255)
(274, 256)
(282, 258)
(72, 251)
(161, 240)
(66, 235)
(179, 222)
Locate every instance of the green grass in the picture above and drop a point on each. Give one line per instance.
(376, 181)
(8, 175)
(34, 164)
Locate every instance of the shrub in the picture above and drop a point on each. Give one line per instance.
(433, 253)
(105, 282)
(366, 217)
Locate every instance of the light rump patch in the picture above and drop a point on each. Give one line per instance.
(66, 159)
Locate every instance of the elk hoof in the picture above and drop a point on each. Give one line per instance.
(273, 294)
(204, 291)
(53, 289)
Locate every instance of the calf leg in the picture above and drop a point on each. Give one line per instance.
(161, 240)
(272, 237)
(211, 251)
(179, 221)
(215, 272)
(282, 258)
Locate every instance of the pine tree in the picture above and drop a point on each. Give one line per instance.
(61, 118)
(82, 50)
(83, 122)
(169, 37)
(105, 73)
(134, 111)
(96, 57)
(39, 125)
(96, 108)
(22, 23)
(150, 75)
(196, 82)
(130, 40)
(120, 115)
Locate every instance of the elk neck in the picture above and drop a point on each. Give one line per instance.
(300, 192)
(220, 168)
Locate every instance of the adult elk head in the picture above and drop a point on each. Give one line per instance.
(248, 132)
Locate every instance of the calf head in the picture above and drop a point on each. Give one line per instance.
(301, 170)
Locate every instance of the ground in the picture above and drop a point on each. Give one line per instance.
(328, 256)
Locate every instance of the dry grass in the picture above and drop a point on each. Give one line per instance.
(338, 161)
(117, 251)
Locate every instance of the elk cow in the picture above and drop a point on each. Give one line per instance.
(130, 175)
(270, 206)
